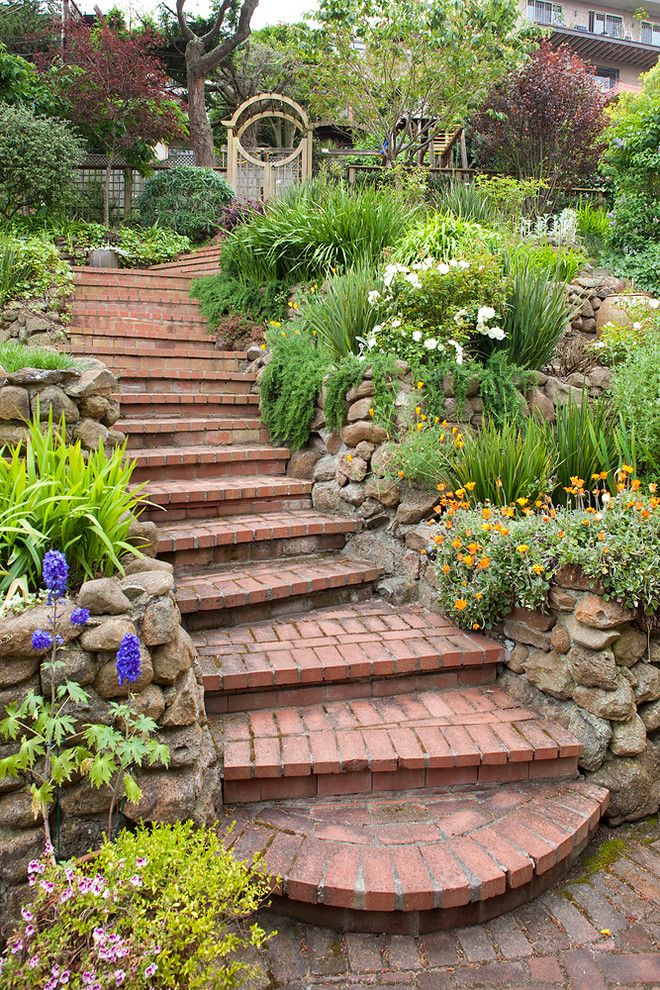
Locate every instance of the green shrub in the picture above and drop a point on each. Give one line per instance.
(348, 373)
(641, 267)
(434, 309)
(186, 199)
(617, 340)
(445, 238)
(346, 313)
(313, 229)
(31, 267)
(511, 557)
(221, 295)
(562, 263)
(465, 200)
(290, 385)
(511, 197)
(635, 390)
(635, 221)
(54, 495)
(152, 246)
(180, 925)
(37, 161)
(15, 356)
(537, 315)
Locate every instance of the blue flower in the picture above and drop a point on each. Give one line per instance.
(129, 665)
(55, 574)
(79, 616)
(41, 640)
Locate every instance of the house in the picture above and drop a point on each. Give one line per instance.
(620, 38)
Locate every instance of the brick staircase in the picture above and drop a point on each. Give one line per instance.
(368, 754)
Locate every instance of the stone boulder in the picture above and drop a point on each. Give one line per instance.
(634, 785)
(598, 613)
(550, 673)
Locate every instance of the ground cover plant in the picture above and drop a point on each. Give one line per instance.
(15, 356)
(31, 267)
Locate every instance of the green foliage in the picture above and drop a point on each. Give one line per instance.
(21, 84)
(182, 922)
(537, 315)
(501, 387)
(344, 376)
(620, 548)
(641, 267)
(346, 313)
(153, 246)
(312, 230)
(562, 263)
(446, 237)
(223, 295)
(635, 390)
(632, 158)
(593, 226)
(31, 267)
(385, 381)
(186, 199)
(37, 159)
(635, 221)
(510, 197)
(290, 385)
(585, 435)
(15, 356)
(616, 340)
(465, 200)
(54, 495)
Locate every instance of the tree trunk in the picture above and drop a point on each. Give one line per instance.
(200, 127)
(106, 193)
(128, 193)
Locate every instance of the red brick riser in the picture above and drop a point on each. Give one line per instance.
(368, 756)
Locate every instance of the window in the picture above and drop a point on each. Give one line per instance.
(608, 24)
(606, 78)
(544, 12)
(650, 33)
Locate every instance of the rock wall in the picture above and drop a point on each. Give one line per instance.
(83, 394)
(169, 690)
(595, 667)
(39, 322)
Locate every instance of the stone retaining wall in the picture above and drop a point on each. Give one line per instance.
(169, 690)
(38, 322)
(84, 395)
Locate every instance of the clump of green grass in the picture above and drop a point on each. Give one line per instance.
(15, 356)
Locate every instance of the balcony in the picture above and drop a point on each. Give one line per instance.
(613, 48)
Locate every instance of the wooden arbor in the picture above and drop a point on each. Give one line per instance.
(256, 172)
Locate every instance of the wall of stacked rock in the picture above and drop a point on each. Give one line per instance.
(169, 690)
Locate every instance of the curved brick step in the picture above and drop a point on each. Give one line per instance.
(151, 404)
(195, 545)
(86, 311)
(113, 326)
(186, 380)
(168, 348)
(421, 739)
(202, 498)
(359, 651)
(246, 594)
(204, 431)
(411, 863)
(185, 463)
(147, 290)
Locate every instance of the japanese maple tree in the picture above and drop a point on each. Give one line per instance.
(544, 121)
(115, 91)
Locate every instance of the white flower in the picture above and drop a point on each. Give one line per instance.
(413, 280)
(374, 297)
(453, 263)
(496, 333)
(460, 315)
(443, 268)
(654, 303)
(459, 350)
(485, 314)
(637, 326)
(391, 271)
(417, 336)
(464, 264)
(396, 324)
(430, 343)
(376, 329)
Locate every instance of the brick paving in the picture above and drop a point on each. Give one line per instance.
(598, 929)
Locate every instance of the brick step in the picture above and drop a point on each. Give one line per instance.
(150, 404)
(163, 463)
(163, 293)
(412, 864)
(103, 278)
(194, 269)
(193, 350)
(202, 498)
(87, 311)
(359, 651)
(207, 256)
(187, 381)
(475, 735)
(260, 591)
(274, 535)
(139, 360)
(117, 326)
(178, 432)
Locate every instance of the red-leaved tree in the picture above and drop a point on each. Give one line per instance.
(113, 88)
(544, 121)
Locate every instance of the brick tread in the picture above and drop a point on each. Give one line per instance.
(184, 399)
(201, 454)
(366, 640)
(237, 587)
(198, 490)
(424, 731)
(165, 425)
(401, 852)
(249, 528)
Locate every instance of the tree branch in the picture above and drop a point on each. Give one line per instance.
(210, 38)
(214, 58)
(183, 23)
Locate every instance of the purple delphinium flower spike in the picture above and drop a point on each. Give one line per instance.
(79, 616)
(129, 665)
(55, 574)
(41, 640)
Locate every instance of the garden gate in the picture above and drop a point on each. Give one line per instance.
(259, 172)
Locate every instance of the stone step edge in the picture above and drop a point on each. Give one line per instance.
(420, 886)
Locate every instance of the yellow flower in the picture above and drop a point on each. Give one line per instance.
(457, 544)
(470, 485)
(486, 513)
(418, 410)
(478, 596)
(441, 487)
(460, 604)
(522, 501)
(371, 412)
(459, 493)
(275, 323)
(538, 569)
(627, 468)
(635, 485)
(473, 547)
(445, 568)
(420, 384)
(475, 625)
(484, 563)
(420, 426)
(439, 539)
(606, 931)
(349, 458)
(401, 474)
(522, 548)
(468, 560)
(262, 346)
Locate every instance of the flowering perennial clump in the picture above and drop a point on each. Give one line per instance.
(491, 558)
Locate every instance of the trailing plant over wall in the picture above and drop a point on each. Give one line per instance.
(290, 384)
(343, 377)
(31, 267)
(222, 295)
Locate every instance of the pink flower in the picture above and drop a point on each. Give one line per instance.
(64, 978)
(16, 946)
(66, 895)
(36, 866)
(33, 962)
(151, 969)
(120, 976)
(29, 931)
(26, 914)
(88, 976)
(47, 885)
(141, 861)
(136, 880)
